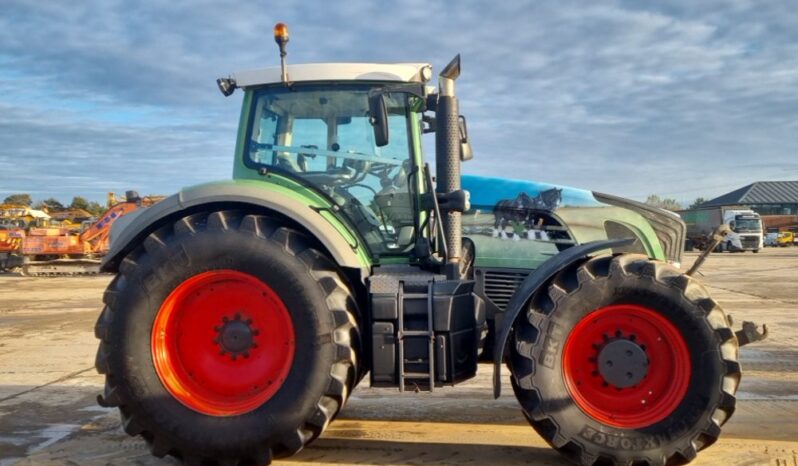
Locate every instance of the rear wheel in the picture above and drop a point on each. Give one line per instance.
(623, 360)
(227, 339)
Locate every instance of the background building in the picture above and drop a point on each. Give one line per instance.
(775, 201)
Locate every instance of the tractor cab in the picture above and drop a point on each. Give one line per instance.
(319, 132)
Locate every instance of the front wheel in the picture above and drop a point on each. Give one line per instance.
(624, 360)
(227, 339)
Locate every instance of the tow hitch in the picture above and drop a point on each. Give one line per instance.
(717, 237)
(749, 333)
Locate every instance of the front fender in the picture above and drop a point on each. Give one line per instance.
(539, 277)
(132, 229)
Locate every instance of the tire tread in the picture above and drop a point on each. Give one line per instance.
(567, 282)
(346, 333)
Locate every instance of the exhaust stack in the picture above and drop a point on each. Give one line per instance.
(447, 164)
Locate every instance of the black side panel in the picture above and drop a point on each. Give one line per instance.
(530, 285)
(425, 330)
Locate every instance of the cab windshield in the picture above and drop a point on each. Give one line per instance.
(747, 224)
(322, 134)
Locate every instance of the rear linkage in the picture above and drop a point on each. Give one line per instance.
(750, 331)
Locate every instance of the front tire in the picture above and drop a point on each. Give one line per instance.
(673, 343)
(227, 339)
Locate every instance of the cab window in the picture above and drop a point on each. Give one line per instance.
(323, 135)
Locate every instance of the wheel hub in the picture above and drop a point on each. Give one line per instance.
(204, 341)
(626, 365)
(235, 337)
(622, 363)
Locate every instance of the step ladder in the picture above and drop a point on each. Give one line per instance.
(403, 335)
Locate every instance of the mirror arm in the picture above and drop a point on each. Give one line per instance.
(378, 110)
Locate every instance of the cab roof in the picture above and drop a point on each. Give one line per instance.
(309, 72)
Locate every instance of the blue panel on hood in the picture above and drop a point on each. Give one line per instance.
(486, 192)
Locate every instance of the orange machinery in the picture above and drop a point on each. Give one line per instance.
(55, 251)
(14, 220)
(10, 243)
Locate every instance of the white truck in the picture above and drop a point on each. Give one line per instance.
(744, 223)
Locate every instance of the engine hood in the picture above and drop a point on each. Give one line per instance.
(520, 224)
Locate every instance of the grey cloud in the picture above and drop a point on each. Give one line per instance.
(619, 97)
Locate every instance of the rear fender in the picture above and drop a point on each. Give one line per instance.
(539, 277)
(131, 229)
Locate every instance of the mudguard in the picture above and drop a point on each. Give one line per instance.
(133, 228)
(531, 284)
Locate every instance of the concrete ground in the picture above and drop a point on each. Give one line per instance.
(48, 413)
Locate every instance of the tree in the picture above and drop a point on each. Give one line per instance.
(19, 199)
(697, 202)
(79, 203)
(51, 204)
(667, 203)
(95, 208)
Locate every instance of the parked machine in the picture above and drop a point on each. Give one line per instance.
(65, 250)
(770, 239)
(15, 221)
(745, 225)
(785, 238)
(10, 243)
(244, 312)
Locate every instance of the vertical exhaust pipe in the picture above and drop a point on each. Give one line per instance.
(447, 162)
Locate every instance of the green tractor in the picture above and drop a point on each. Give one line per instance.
(244, 313)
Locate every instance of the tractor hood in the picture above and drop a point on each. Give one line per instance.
(520, 224)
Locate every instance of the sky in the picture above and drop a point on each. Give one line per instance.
(681, 99)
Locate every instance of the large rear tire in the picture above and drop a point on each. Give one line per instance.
(624, 360)
(227, 339)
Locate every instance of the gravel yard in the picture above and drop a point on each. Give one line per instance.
(48, 386)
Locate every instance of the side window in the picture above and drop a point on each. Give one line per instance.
(323, 135)
(309, 133)
(356, 136)
(267, 129)
(265, 132)
(397, 128)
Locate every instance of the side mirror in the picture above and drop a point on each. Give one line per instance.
(465, 146)
(378, 116)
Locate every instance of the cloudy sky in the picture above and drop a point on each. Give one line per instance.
(682, 100)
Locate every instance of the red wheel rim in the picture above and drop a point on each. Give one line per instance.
(650, 400)
(222, 343)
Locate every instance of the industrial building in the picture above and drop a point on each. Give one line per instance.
(775, 201)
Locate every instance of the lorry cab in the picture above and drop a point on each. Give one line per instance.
(746, 230)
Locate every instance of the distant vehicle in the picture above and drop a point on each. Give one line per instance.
(10, 241)
(771, 239)
(786, 238)
(745, 225)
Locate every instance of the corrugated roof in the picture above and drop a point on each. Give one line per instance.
(760, 192)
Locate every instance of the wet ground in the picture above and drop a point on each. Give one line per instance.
(48, 386)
